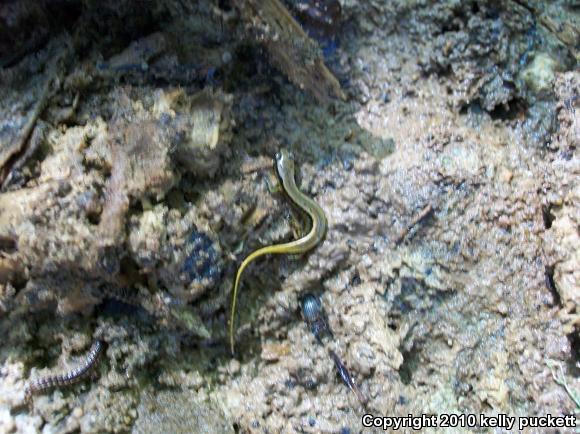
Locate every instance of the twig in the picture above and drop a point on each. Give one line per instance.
(290, 48)
(422, 214)
(561, 381)
(22, 139)
(255, 165)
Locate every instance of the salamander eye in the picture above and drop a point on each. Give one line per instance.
(278, 156)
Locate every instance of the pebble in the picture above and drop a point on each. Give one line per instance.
(273, 352)
(8, 427)
(77, 412)
(505, 175)
(234, 367)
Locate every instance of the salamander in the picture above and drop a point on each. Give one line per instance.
(285, 172)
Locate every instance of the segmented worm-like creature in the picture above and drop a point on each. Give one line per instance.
(71, 377)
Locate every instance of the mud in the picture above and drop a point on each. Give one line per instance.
(136, 175)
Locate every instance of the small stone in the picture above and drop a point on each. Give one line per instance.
(505, 175)
(8, 426)
(504, 222)
(226, 57)
(273, 352)
(380, 147)
(234, 367)
(448, 47)
(539, 75)
(502, 308)
(77, 412)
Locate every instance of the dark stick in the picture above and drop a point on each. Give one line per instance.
(422, 214)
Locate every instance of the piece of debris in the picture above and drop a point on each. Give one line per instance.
(422, 214)
(290, 48)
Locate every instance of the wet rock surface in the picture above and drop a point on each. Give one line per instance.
(179, 412)
(131, 193)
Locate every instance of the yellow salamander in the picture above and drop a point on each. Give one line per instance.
(285, 171)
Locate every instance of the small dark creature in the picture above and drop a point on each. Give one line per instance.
(68, 378)
(315, 317)
(346, 378)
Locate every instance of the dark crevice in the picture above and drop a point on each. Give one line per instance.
(94, 217)
(355, 281)
(547, 216)
(112, 307)
(549, 279)
(130, 273)
(135, 208)
(450, 27)
(573, 368)
(35, 24)
(8, 245)
(19, 282)
(409, 365)
(515, 109)
(225, 5)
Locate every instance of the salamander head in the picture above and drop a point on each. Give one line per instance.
(284, 163)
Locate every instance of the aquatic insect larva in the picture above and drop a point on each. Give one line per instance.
(315, 317)
(71, 377)
(311, 308)
(346, 377)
